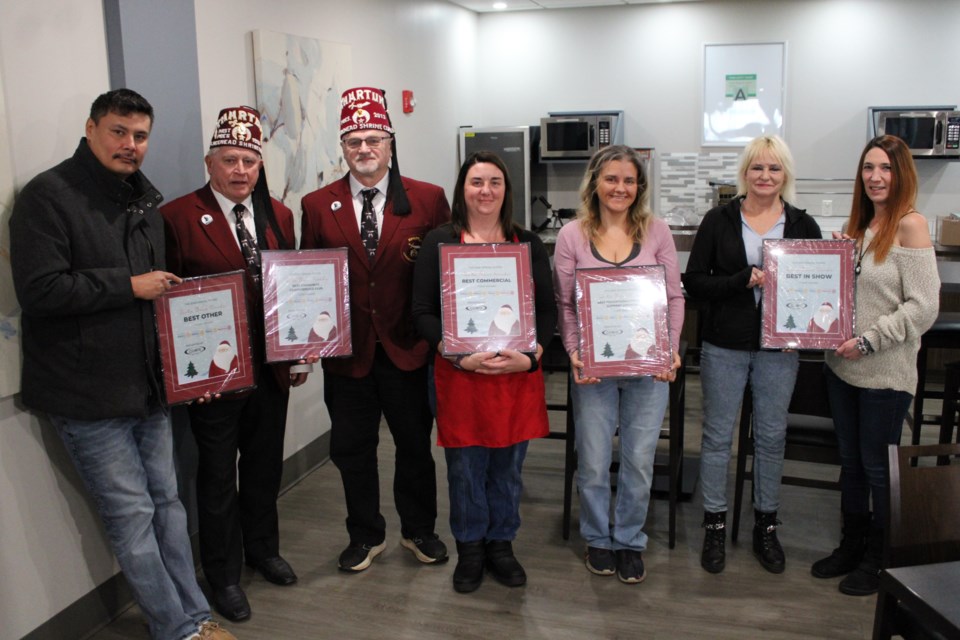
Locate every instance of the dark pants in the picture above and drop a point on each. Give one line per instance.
(232, 523)
(356, 406)
(866, 422)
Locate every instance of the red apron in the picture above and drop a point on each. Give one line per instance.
(474, 409)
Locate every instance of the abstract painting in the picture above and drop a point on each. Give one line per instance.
(298, 82)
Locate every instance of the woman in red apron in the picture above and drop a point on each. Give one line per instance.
(489, 404)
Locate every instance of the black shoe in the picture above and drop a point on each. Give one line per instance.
(469, 572)
(503, 564)
(275, 570)
(600, 562)
(713, 556)
(862, 581)
(848, 555)
(427, 549)
(359, 556)
(630, 566)
(865, 579)
(231, 603)
(766, 546)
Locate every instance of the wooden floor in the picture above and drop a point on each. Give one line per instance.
(397, 598)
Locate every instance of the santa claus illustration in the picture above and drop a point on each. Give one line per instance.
(224, 360)
(824, 320)
(323, 329)
(641, 346)
(505, 323)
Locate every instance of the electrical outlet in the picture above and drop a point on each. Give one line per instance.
(826, 207)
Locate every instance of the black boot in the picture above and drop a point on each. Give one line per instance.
(503, 564)
(713, 556)
(848, 555)
(469, 572)
(766, 546)
(865, 579)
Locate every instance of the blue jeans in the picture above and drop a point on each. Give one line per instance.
(635, 406)
(485, 488)
(723, 376)
(866, 421)
(127, 465)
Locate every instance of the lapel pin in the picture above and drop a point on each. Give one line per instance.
(206, 218)
(336, 205)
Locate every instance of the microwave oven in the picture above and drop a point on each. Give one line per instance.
(577, 136)
(930, 133)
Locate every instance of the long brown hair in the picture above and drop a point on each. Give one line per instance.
(901, 196)
(458, 212)
(639, 216)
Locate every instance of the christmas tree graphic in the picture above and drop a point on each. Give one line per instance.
(471, 326)
(291, 335)
(607, 351)
(790, 324)
(191, 370)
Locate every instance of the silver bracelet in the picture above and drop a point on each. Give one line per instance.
(864, 346)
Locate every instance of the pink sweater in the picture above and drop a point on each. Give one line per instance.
(573, 252)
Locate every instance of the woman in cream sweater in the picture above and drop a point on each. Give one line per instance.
(871, 377)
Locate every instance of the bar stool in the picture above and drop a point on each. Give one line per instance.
(944, 334)
(951, 391)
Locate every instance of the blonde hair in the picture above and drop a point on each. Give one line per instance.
(639, 215)
(775, 146)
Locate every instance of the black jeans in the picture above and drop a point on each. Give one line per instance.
(866, 422)
(356, 406)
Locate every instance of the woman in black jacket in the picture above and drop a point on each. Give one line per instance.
(724, 272)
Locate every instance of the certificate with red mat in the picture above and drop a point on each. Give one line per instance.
(622, 317)
(306, 303)
(808, 294)
(486, 298)
(204, 338)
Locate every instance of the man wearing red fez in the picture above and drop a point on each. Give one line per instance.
(381, 218)
(222, 227)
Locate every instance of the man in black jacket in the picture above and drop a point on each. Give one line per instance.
(87, 251)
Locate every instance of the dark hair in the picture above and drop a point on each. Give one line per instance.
(639, 215)
(122, 102)
(459, 210)
(900, 200)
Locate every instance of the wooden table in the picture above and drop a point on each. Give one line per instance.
(930, 592)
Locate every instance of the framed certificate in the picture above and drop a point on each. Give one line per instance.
(306, 304)
(808, 294)
(622, 316)
(486, 298)
(204, 338)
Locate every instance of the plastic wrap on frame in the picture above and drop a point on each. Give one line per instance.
(306, 304)
(204, 337)
(808, 294)
(623, 320)
(487, 298)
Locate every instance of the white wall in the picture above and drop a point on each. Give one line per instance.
(842, 56)
(53, 62)
(426, 46)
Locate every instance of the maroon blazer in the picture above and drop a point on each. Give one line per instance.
(198, 249)
(380, 294)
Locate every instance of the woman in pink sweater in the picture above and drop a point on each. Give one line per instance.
(615, 228)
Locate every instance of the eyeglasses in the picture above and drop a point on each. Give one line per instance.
(373, 142)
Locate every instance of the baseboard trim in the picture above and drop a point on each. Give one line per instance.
(96, 609)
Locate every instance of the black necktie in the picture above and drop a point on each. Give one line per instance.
(248, 246)
(368, 223)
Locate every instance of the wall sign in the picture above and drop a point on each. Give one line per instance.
(743, 92)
